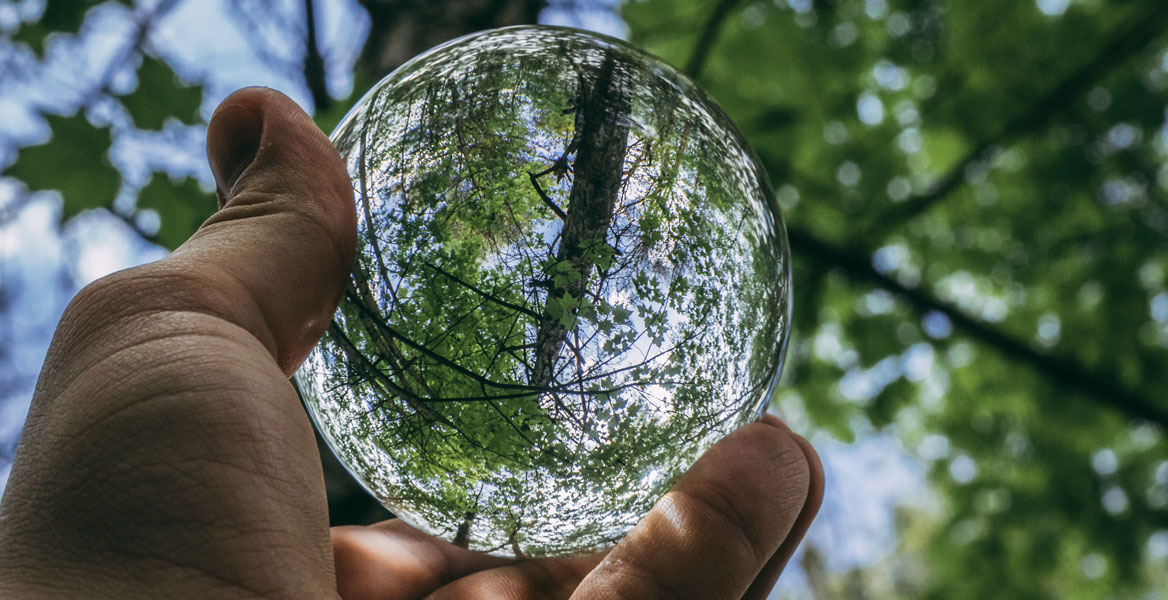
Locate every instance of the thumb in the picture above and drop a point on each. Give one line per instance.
(163, 449)
(280, 247)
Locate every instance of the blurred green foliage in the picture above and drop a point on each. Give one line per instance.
(160, 95)
(73, 162)
(975, 191)
(997, 171)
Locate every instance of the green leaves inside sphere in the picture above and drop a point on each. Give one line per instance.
(571, 281)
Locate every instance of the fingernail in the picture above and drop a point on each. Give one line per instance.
(233, 140)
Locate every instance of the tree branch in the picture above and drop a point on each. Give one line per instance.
(546, 200)
(709, 35)
(400, 30)
(1070, 374)
(483, 294)
(1130, 39)
(314, 73)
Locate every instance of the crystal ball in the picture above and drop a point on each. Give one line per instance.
(571, 280)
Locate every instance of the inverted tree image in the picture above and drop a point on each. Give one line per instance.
(571, 280)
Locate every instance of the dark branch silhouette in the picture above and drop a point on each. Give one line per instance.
(485, 295)
(543, 196)
(1072, 375)
(1130, 39)
(709, 35)
(314, 72)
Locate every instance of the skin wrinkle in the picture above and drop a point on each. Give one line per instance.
(150, 564)
(720, 501)
(167, 290)
(101, 305)
(263, 469)
(307, 226)
(211, 533)
(140, 355)
(117, 555)
(134, 463)
(250, 473)
(121, 364)
(200, 387)
(638, 584)
(34, 580)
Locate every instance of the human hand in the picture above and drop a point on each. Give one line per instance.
(166, 453)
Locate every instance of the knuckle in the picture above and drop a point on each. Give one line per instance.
(127, 299)
(745, 533)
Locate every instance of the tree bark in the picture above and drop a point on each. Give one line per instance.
(601, 138)
(400, 30)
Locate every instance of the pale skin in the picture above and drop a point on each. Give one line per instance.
(167, 455)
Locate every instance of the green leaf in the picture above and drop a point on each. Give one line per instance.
(832, 416)
(34, 35)
(64, 15)
(181, 208)
(159, 95)
(72, 162)
(603, 255)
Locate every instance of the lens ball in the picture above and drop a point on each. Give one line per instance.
(571, 280)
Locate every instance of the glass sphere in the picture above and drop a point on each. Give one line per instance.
(571, 280)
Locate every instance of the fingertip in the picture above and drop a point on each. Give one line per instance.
(762, 462)
(815, 474)
(817, 480)
(719, 526)
(287, 224)
(769, 574)
(773, 420)
(233, 137)
(263, 127)
(816, 477)
(392, 559)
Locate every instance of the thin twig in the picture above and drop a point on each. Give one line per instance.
(546, 200)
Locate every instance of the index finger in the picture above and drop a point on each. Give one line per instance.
(712, 534)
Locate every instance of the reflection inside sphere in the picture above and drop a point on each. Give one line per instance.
(571, 280)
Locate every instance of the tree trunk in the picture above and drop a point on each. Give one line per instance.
(401, 29)
(602, 130)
